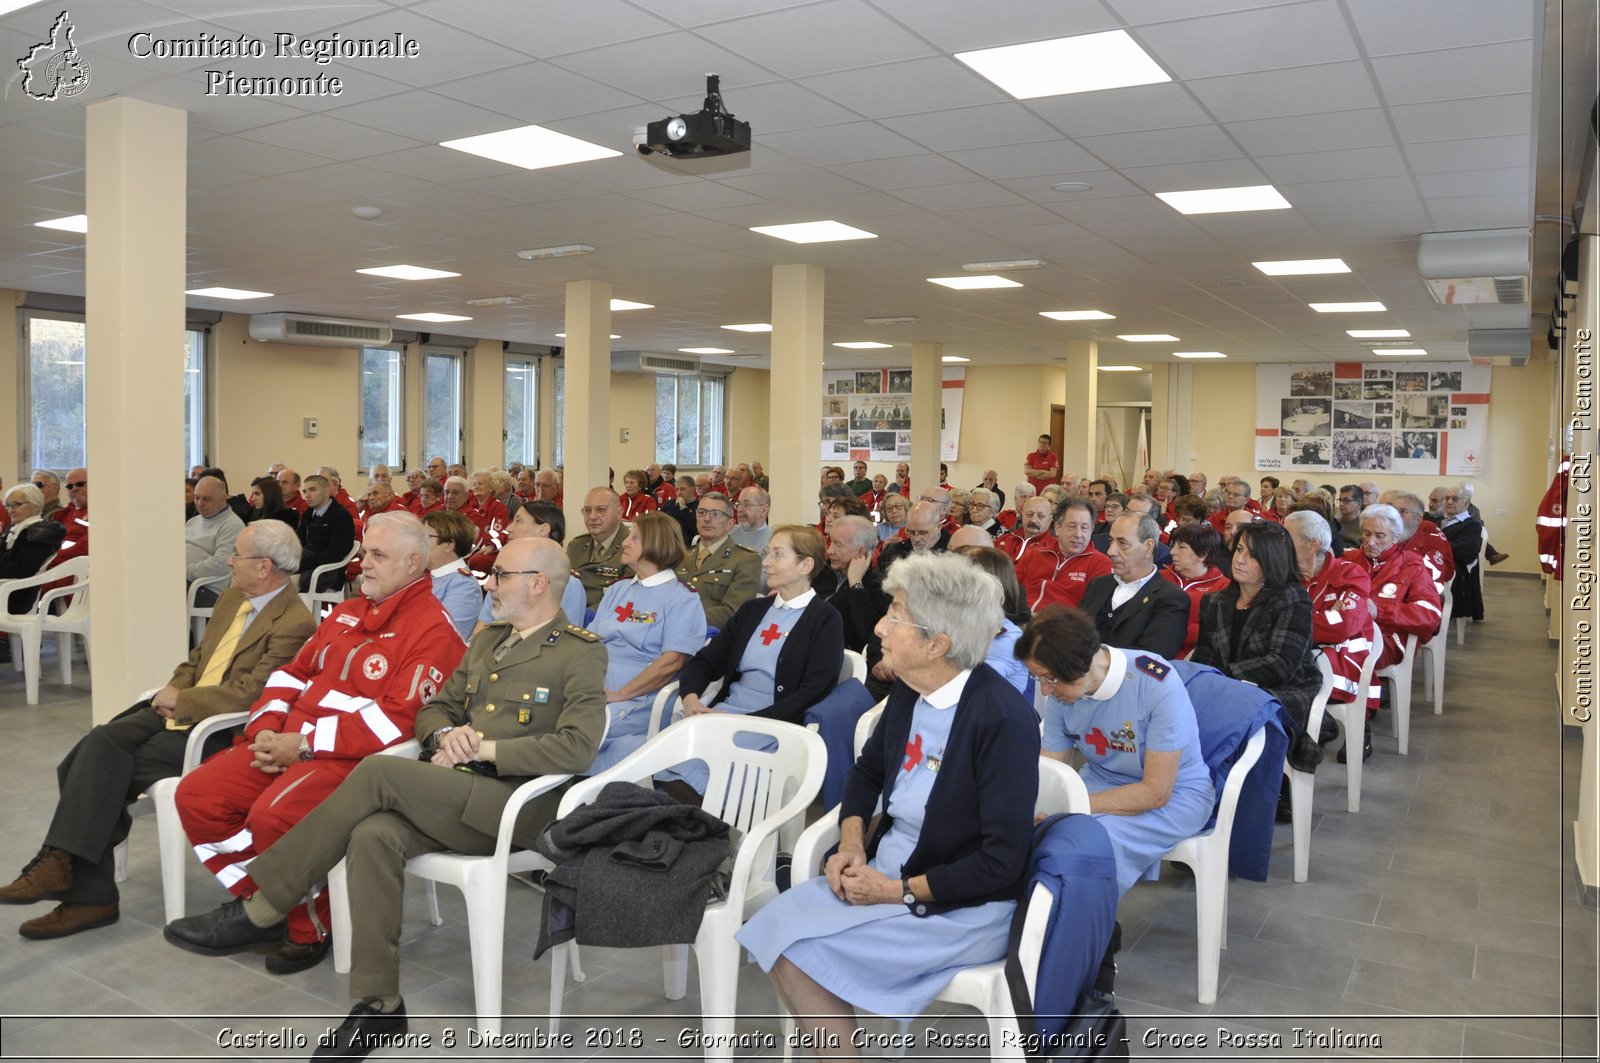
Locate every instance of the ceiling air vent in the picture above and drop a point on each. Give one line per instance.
(1478, 266)
(318, 331)
(645, 362)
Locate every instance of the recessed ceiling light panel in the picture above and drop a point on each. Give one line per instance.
(623, 304)
(970, 283)
(1224, 200)
(76, 223)
(436, 319)
(563, 335)
(704, 350)
(1393, 352)
(1120, 368)
(953, 359)
(228, 293)
(1198, 354)
(1148, 337)
(1077, 315)
(1378, 333)
(864, 345)
(407, 273)
(1300, 267)
(814, 232)
(754, 326)
(1348, 308)
(1085, 63)
(531, 147)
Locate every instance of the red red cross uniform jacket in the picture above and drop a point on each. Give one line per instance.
(1341, 623)
(349, 504)
(1196, 589)
(1071, 578)
(491, 520)
(635, 506)
(353, 689)
(1551, 523)
(76, 544)
(1430, 544)
(1036, 558)
(1408, 602)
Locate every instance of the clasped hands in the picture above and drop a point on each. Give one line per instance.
(274, 751)
(462, 745)
(855, 881)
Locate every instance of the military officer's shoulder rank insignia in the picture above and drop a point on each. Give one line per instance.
(582, 633)
(1151, 667)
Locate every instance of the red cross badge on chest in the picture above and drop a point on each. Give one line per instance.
(624, 613)
(913, 754)
(1098, 740)
(771, 635)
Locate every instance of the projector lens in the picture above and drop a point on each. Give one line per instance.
(676, 128)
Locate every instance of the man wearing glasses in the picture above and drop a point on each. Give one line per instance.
(257, 626)
(49, 485)
(597, 556)
(527, 700)
(924, 533)
(353, 690)
(723, 573)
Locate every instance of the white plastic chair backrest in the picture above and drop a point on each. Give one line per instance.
(1319, 704)
(75, 568)
(1447, 607)
(77, 596)
(1031, 946)
(1375, 640)
(865, 724)
(747, 785)
(1060, 789)
(1236, 776)
(854, 667)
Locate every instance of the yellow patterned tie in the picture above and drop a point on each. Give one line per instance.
(217, 667)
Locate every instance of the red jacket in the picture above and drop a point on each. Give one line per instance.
(296, 503)
(1341, 622)
(634, 506)
(665, 493)
(349, 504)
(1408, 602)
(1196, 589)
(76, 544)
(355, 687)
(1036, 558)
(1071, 578)
(1551, 523)
(1430, 544)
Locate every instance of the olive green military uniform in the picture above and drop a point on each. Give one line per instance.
(725, 579)
(597, 566)
(543, 704)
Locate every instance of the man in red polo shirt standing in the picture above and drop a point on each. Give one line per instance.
(1042, 467)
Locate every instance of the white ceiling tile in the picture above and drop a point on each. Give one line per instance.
(1488, 212)
(1477, 153)
(1102, 184)
(974, 127)
(667, 68)
(1387, 27)
(696, 195)
(1191, 175)
(791, 184)
(253, 156)
(1508, 181)
(1334, 131)
(704, 12)
(1294, 35)
(1153, 147)
(779, 105)
(1052, 158)
(785, 41)
(1486, 70)
(851, 142)
(905, 172)
(538, 93)
(434, 163)
(444, 51)
(911, 87)
(964, 27)
(557, 29)
(1278, 93)
(1333, 165)
(323, 135)
(428, 116)
(1143, 12)
(1488, 116)
(352, 179)
(1354, 190)
(526, 186)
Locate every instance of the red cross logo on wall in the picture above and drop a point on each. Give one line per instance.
(624, 613)
(1097, 739)
(771, 635)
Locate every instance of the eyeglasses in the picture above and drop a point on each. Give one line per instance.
(41, 484)
(248, 557)
(17, 505)
(908, 623)
(777, 555)
(1045, 681)
(923, 532)
(73, 485)
(720, 514)
(500, 573)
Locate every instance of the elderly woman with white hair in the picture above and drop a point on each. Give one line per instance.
(1341, 605)
(929, 886)
(27, 544)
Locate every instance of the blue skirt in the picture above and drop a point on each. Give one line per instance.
(879, 957)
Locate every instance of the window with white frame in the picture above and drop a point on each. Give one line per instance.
(383, 392)
(690, 422)
(442, 403)
(194, 397)
(561, 413)
(522, 410)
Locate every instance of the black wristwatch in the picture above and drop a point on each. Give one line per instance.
(906, 896)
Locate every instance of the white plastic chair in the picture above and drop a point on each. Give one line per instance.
(855, 667)
(1302, 784)
(316, 599)
(1433, 670)
(30, 628)
(1207, 855)
(173, 842)
(1352, 719)
(984, 985)
(753, 791)
(1399, 676)
(200, 615)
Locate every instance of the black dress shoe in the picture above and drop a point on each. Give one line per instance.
(221, 931)
(293, 957)
(364, 1029)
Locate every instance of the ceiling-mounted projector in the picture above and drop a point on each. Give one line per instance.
(710, 132)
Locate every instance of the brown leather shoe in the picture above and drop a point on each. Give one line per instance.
(69, 918)
(47, 876)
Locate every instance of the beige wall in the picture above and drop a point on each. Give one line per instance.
(10, 370)
(633, 406)
(749, 415)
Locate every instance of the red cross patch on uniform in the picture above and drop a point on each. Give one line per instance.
(375, 667)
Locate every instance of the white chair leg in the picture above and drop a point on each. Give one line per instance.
(16, 651)
(173, 845)
(433, 904)
(1355, 714)
(718, 961)
(1210, 900)
(486, 933)
(119, 859)
(558, 986)
(339, 913)
(31, 638)
(575, 961)
(1461, 631)
(1400, 698)
(675, 970)
(64, 653)
(1436, 669)
(1300, 794)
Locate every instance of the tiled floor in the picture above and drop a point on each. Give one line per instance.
(1442, 920)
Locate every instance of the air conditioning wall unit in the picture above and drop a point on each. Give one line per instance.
(1476, 266)
(310, 331)
(648, 362)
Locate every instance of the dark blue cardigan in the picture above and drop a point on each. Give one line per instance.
(809, 661)
(974, 842)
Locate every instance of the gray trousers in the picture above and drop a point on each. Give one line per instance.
(110, 766)
(386, 812)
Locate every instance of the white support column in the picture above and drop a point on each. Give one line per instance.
(1083, 407)
(795, 428)
(135, 178)
(586, 426)
(927, 383)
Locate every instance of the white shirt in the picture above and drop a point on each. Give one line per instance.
(799, 601)
(14, 532)
(948, 695)
(666, 575)
(1125, 591)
